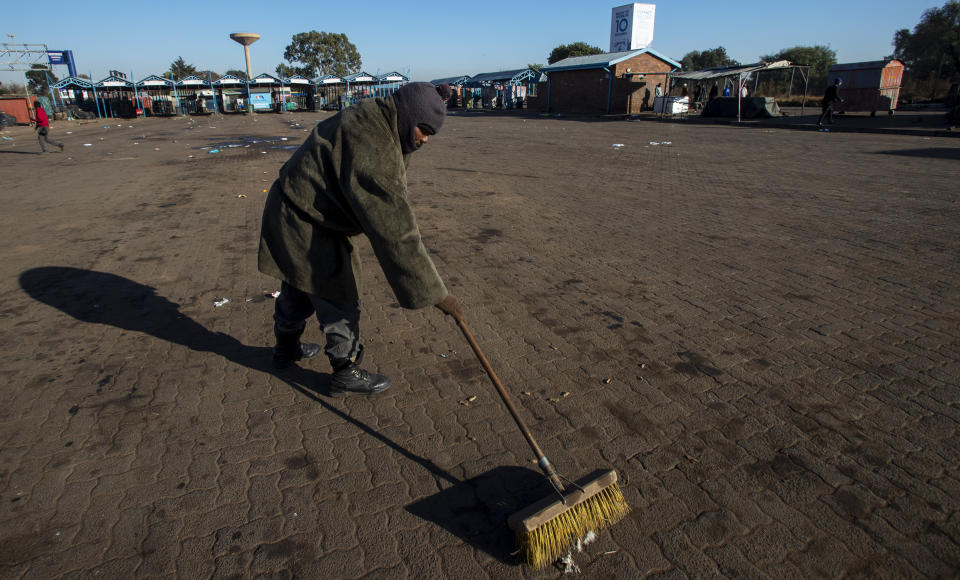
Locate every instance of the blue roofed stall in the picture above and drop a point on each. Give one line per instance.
(76, 92)
(193, 95)
(507, 89)
(388, 83)
(457, 99)
(329, 93)
(116, 95)
(360, 86)
(156, 96)
(297, 93)
(233, 93)
(265, 92)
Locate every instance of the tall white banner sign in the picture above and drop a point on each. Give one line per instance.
(632, 27)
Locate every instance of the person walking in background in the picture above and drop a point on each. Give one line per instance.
(42, 126)
(830, 96)
(350, 178)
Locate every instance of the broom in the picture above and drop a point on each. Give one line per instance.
(546, 529)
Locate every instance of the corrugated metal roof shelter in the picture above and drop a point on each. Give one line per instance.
(265, 80)
(499, 89)
(328, 80)
(457, 86)
(229, 81)
(743, 72)
(389, 83)
(452, 81)
(572, 83)
(155, 95)
(233, 91)
(359, 86)
(329, 93)
(512, 77)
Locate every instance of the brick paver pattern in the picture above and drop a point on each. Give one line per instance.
(757, 327)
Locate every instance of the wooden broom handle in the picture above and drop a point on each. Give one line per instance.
(545, 465)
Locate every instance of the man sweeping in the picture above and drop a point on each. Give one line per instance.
(350, 178)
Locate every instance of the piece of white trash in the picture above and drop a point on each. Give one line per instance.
(589, 538)
(569, 566)
(275, 294)
(219, 303)
(617, 145)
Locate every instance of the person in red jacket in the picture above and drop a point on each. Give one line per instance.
(42, 125)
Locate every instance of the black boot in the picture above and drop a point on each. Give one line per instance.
(289, 349)
(349, 377)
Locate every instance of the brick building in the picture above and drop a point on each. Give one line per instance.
(613, 82)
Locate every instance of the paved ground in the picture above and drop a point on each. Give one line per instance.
(757, 327)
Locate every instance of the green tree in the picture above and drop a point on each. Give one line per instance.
(710, 58)
(11, 89)
(819, 58)
(932, 50)
(568, 50)
(180, 69)
(37, 79)
(536, 66)
(286, 71)
(242, 75)
(329, 53)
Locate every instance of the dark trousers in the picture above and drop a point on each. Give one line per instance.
(340, 321)
(42, 133)
(826, 114)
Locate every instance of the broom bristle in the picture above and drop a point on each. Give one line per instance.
(547, 542)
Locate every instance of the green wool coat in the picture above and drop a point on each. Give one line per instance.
(348, 178)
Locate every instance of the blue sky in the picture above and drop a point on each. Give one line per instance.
(431, 39)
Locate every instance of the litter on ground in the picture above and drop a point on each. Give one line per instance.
(221, 302)
(569, 566)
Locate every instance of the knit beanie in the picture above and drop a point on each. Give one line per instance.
(418, 105)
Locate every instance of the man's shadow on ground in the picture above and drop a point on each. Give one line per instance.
(475, 510)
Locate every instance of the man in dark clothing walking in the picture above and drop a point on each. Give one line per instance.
(830, 96)
(42, 126)
(349, 178)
